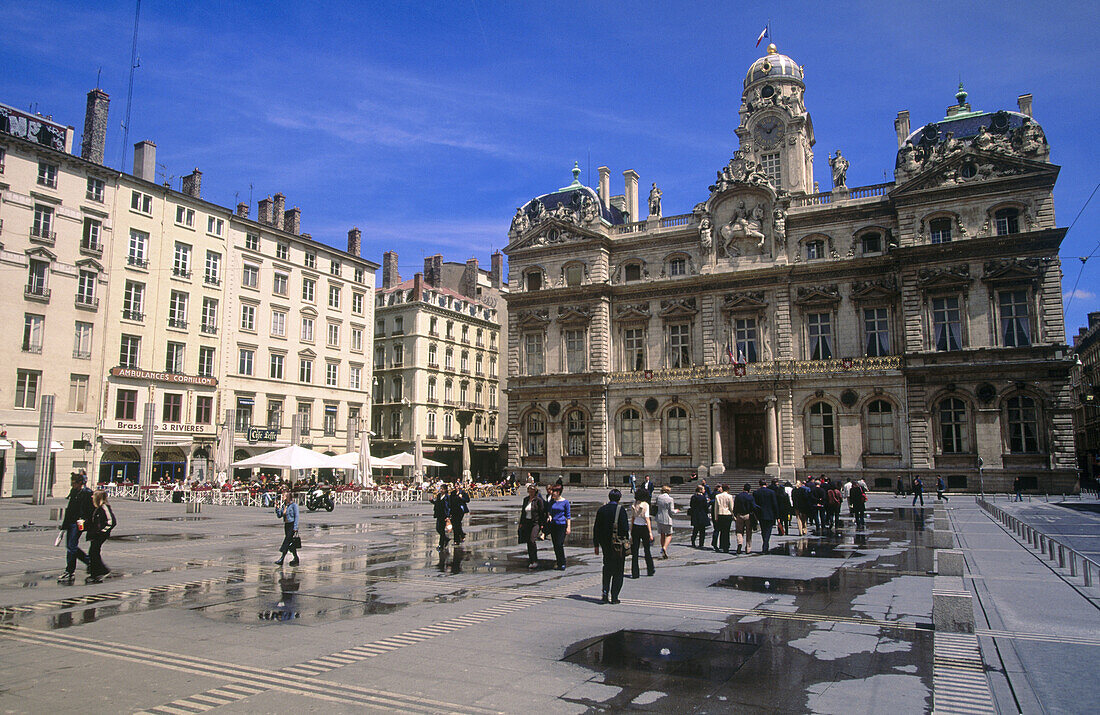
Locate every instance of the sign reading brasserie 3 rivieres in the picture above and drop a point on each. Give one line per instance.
(134, 374)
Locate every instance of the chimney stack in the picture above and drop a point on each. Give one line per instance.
(355, 242)
(901, 125)
(390, 276)
(145, 160)
(496, 274)
(242, 210)
(279, 207)
(605, 187)
(95, 126)
(192, 184)
(292, 220)
(418, 287)
(630, 177)
(468, 285)
(1094, 319)
(433, 270)
(263, 211)
(1023, 102)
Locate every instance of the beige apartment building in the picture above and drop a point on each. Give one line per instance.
(54, 216)
(221, 325)
(438, 368)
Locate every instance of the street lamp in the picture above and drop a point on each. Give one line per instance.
(981, 481)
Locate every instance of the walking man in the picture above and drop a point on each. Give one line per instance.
(611, 528)
(918, 491)
(1016, 489)
(458, 508)
(77, 513)
(767, 506)
(940, 489)
(441, 510)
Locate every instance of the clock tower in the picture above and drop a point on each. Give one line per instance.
(775, 129)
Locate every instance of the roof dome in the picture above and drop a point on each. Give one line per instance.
(773, 64)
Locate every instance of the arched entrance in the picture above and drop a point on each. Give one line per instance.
(169, 463)
(120, 464)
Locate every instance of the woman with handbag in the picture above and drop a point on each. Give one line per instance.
(287, 510)
(99, 529)
(641, 533)
(532, 517)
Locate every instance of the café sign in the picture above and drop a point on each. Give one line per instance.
(263, 434)
(133, 373)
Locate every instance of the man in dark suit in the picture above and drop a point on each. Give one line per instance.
(611, 520)
(648, 486)
(459, 500)
(78, 512)
(767, 512)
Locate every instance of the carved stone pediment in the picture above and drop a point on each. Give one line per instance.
(748, 301)
(741, 170)
(90, 264)
(948, 278)
(996, 138)
(1012, 270)
(818, 295)
(570, 208)
(633, 311)
(574, 313)
(968, 166)
(534, 318)
(41, 253)
(550, 232)
(678, 307)
(881, 289)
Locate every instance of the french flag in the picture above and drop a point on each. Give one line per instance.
(763, 34)
(729, 353)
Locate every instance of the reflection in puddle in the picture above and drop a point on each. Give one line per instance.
(148, 538)
(844, 582)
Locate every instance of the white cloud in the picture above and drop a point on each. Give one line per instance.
(1079, 294)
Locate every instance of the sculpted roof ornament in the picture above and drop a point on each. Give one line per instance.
(678, 307)
(1011, 270)
(886, 287)
(633, 310)
(741, 170)
(948, 277)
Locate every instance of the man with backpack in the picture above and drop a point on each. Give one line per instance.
(459, 508)
(941, 487)
(857, 504)
(833, 499)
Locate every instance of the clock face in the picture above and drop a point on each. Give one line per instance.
(769, 132)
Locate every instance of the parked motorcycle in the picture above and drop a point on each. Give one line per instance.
(320, 499)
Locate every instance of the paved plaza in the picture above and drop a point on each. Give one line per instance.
(197, 617)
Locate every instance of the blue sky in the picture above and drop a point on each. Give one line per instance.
(427, 123)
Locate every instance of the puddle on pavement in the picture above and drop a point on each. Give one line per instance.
(289, 606)
(635, 655)
(28, 527)
(149, 538)
(815, 548)
(843, 582)
(180, 518)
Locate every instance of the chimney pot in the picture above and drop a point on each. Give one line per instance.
(468, 286)
(263, 211)
(630, 177)
(901, 125)
(1024, 103)
(292, 220)
(192, 184)
(279, 207)
(95, 126)
(496, 274)
(145, 160)
(433, 270)
(390, 276)
(242, 210)
(605, 187)
(418, 287)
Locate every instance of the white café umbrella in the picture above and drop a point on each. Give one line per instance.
(418, 452)
(404, 459)
(292, 457)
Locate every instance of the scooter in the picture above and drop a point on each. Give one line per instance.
(320, 499)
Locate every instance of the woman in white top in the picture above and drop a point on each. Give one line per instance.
(666, 507)
(641, 532)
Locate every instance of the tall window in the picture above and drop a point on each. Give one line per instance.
(574, 351)
(212, 272)
(177, 310)
(173, 358)
(309, 286)
(533, 280)
(279, 284)
(329, 425)
(822, 429)
(129, 349)
(676, 431)
(357, 303)
(32, 332)
(126, 404)
(431, 424)
(78, 393)
(82, 341)
(90, 239)
(679, 345)
(630, 432)
(1023, 425)
(248, 318)
(431, 389)
(354, 376)
(209, 315)
(357, 340)
(26, 389)
(333, 335)
(947, 323)
(139, 241)
(871, 243)
(278, 323)
(954, 428)
(533, 352)
(770, 163)
(576, 438)
(310, 259)
(448, 427)
(940, 229)
(181, 261)
(278, 362)
(250, 276)
(95, 189)
(876, 325)
(85, 287)
(43, 222)
(173, 407)
(305, 370)
(744, 333)
(307, 329)
(305, 416)
(1007, 221)
(880, 428)
(820, 331)
(464, 361)
(37, 275)
(244, 413)
(536, 435)
(245, 359)
(133, 301)
(433, 356)
(332, 374)
(1015, 325)
(449, 359)
(204, 409)
(398, 392)
(634, 349)
(334, 296)
(206, 361)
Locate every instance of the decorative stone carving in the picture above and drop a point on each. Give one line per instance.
(1026, 141)
(520, 223)
(884, 288)
(818, 295)
(1012, 270)
(745, 301)
(952, 277)
(574, 313)
(706, 235)
(535, 317)
(590, 211)
(655, 202)
(678, 307)
(779, 225)
(633, 311)
(740, 170)
(839, 165)
(744, 224)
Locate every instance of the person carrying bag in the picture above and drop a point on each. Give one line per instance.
(287, 510)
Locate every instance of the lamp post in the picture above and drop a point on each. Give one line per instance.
(981, 480)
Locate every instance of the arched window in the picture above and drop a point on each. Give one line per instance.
(433, 355)
(1023, 425)
(533, 280)
(1007, 221)
(630, 432)
(397, 391)
(576, 427)
(449, 359)
(822, 429)
(431, 389)
(535, 431)
(870, 243)
(574, 274)
(815, 249)
(677, 266)
(954, 426)
(448, 392)
(940, 229)
(632, 272)
(676, 431)
(880, 428)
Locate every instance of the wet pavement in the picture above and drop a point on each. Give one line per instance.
(848, 609)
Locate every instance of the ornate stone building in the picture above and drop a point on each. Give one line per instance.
(912, 327)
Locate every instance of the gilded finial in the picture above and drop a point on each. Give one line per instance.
(772, 50)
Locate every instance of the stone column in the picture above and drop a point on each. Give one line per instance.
(716, 467)
(43, 458)
(771, 435)
(148, 426)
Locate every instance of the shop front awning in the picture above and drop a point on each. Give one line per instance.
(4, 444)
(158, 441)
(31, 445)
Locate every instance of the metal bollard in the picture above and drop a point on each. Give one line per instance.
(1088, 571)
(1061, 556)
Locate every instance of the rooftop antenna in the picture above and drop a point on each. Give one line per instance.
(134, 64)
(98, 74)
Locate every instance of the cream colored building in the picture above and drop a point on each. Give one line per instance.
(438, 367)
(54, 213)
(907, 328)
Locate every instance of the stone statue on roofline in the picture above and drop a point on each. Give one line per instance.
(655, 201)
(839, 166)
